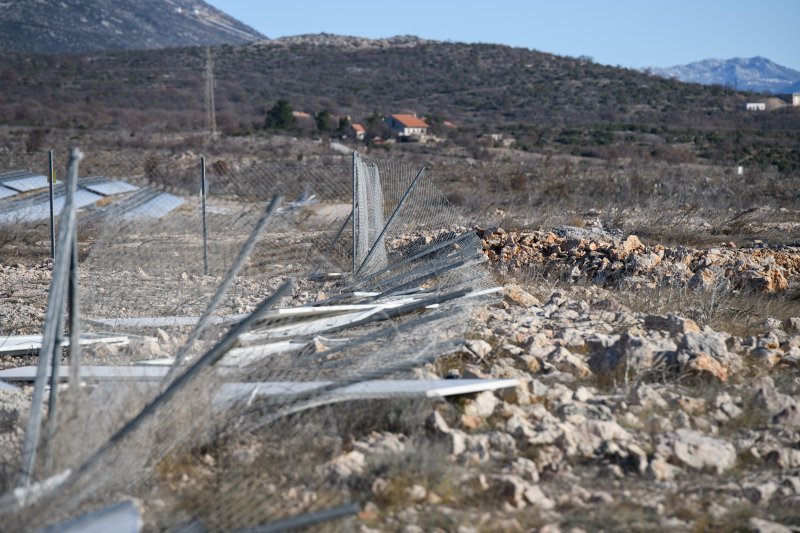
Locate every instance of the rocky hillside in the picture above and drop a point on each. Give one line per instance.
(748, 74)
(541, 101)
(77, 26)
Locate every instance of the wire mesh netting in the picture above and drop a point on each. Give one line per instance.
(247, 339)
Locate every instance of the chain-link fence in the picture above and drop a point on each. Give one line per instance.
(247, 341)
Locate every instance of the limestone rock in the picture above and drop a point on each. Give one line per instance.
(697, 451)
(566, 361)
(479, 347)
(759, 525)
(706, 367)
(632, 244)
(482, 406)
(634, 352)
(760, 494)
(516, 295)
(672, 323)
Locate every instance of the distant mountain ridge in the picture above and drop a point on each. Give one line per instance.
(80, 26)
(745, 74)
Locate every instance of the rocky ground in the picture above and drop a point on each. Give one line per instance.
(621, 421)
(625, 417)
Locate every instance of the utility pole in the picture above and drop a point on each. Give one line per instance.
(211, 117)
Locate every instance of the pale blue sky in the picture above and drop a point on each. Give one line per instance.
(615, 32)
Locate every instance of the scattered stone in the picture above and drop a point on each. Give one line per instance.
(647, 397)
(759, 525)
(705, 366)
(661, 470)
(534, 496)
(416, 493)
(672, 323)
(566, 361)
(482, 405)
(517, 295)
(700, 452)
(479, 347)
(761, 494)
(347, 465)
(632, 244)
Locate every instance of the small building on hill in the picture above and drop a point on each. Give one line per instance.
(407, 126)
(358, 131)
(796, 99)
(756, 106)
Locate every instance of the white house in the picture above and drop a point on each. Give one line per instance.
(796, 99)
(407, 125)
(756, 106)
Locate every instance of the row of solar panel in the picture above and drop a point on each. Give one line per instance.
(144, 203)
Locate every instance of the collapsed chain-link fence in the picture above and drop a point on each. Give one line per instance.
(242, 340)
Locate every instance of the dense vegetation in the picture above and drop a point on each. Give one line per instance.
(546, 102)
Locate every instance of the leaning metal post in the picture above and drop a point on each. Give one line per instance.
(386, 226)
(52, 326)
(203, 193)
(55, 365)
(51, 178)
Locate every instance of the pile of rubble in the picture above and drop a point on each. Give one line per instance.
(635, 419)
(608, 258)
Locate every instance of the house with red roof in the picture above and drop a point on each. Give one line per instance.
(358, 131)
(408, 126)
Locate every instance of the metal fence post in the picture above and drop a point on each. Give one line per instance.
(52, 178)
(355, 185)
(74, 326)
(203, 194)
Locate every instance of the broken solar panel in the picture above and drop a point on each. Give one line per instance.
(26, 344)
(107, 186)
(157, 207)
(232, 391)
(28, 183)
(5, 192)
(11, 174)
(39, 208)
